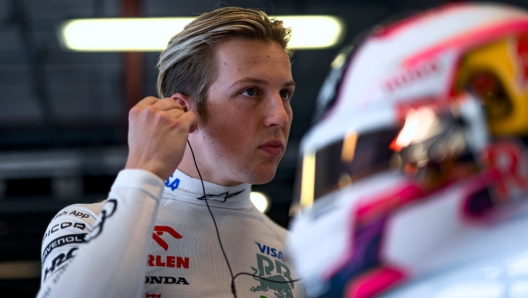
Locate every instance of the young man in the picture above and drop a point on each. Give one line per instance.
(226, 85)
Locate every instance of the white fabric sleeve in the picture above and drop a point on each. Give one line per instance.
(86, 253)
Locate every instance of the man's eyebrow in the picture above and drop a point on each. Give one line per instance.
(290, 83)
(250, 80)
(259, 81)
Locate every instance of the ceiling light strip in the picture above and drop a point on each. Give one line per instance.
(153, 34)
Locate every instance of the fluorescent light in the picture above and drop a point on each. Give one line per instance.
(153, 34)
(127, 34)
(313, 32)
(260, 201)
(308, 180)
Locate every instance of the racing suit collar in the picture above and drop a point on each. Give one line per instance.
(181, 186)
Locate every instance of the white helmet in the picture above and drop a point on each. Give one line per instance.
(419, 124)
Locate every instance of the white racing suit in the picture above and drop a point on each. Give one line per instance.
(157, 240)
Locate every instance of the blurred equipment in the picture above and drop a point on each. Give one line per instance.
(413, 178)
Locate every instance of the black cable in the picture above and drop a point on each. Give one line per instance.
(233, 287)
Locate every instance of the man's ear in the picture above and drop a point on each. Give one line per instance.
(183, 100)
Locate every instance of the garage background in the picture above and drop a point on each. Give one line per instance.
(63, 114)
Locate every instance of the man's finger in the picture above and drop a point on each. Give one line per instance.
(168, 104)
(175, 113)
(146, 102)
(190, 119)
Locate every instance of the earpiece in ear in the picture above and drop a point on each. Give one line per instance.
(178, 97)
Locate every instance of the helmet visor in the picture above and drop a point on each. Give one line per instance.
(419, 148)
(342, 162)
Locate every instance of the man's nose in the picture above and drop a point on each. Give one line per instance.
(277, 112)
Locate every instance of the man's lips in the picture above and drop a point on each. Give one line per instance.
(273, 147)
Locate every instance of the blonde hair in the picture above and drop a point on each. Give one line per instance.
(188, 65)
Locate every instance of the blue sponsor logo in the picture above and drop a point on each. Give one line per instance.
(270, 251)
(172, 183)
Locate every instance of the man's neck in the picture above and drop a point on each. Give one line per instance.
(188, 166)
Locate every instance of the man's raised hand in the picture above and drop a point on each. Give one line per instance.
(157, 135)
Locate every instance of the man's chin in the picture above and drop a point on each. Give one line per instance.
(263, 178)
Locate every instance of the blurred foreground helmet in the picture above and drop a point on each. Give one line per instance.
(416, 153)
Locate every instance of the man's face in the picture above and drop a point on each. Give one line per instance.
(249, 113)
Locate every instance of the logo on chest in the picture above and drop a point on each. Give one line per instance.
(271, 266)
(270, 251)
(166, 260)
